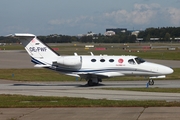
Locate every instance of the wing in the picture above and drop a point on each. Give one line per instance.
(100, 75)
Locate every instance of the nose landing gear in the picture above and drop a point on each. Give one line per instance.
(151, 82)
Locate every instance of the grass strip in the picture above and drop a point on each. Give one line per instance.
(115, 49)
(48, 75)
(19, 101)
(33, 75)
(162, 90)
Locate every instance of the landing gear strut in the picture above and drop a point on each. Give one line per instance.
(90, 82)
(151, 82)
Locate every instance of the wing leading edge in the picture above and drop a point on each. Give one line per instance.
(100, 75)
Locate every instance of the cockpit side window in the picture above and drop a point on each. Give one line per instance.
(131, 61)
(139, 60)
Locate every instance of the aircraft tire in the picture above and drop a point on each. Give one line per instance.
(90, 82)
(151, 82)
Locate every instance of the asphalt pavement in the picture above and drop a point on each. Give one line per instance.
(20, 59)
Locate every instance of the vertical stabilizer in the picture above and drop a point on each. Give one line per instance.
(39, 52)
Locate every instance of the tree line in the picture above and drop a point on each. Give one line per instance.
(118, 38)
(163, 34)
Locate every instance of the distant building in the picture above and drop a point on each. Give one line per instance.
(91, 34)
(117, 30)
(81, 35)
(109, 33)
(135, 33)
(88, 34)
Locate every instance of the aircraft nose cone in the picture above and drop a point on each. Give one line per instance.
(167, 70)
(170, 70)
(160, 69)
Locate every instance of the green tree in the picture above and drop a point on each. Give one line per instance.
(132, 39)
(167, 37)
(148, 37)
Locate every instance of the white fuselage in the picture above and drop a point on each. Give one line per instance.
(92, 68)
(111, 66)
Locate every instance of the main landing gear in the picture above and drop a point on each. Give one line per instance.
(93, 81)
(151, 82)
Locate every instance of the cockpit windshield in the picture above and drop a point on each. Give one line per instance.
(139, 60)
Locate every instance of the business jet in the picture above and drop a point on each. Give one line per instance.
(91, 67)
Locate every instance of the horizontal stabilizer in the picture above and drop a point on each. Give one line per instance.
(24, 35)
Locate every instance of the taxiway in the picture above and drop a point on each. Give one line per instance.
(79, 89)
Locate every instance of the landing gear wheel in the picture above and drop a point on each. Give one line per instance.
(90, 82)
(151, 82)
(94, 81)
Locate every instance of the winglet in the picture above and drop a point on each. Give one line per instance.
(24, 35)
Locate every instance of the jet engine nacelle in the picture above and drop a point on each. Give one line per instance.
(69, 62)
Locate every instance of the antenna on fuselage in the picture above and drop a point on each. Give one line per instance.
(92, 54)
(75, 54)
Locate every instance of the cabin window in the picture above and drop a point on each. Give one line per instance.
(131, 61)
(93, 60)
(139, 60)
(111, 60)
(102, 60)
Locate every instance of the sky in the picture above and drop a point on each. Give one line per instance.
(73, 17)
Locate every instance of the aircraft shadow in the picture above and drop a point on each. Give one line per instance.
(63, 85)
(44, 85)
(80, 85)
